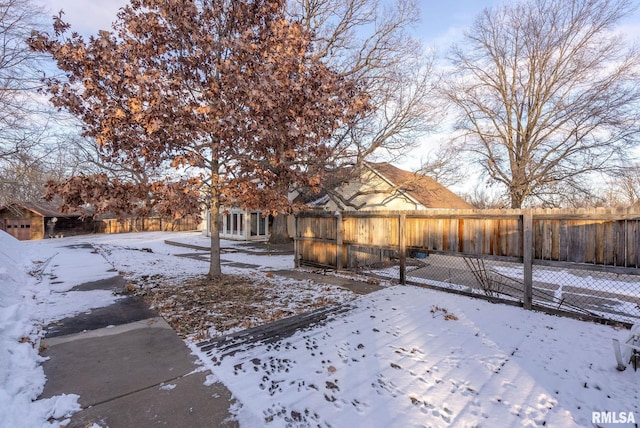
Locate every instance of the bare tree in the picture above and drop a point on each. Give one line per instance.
(52, 150)
(370, 42)
(445, 165)
(546, 94)
(482, 197)
(29, 153)
(25, 175)
(623, 188)
(18, 77)
(628, 184)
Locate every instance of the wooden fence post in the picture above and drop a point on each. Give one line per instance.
(527, 257)
(402, 241)
(338, 240)
(296, 244)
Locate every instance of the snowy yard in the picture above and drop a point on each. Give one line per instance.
(403, 356)
(407, 356)
(604, 294)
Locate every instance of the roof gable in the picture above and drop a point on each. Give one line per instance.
(423, 189)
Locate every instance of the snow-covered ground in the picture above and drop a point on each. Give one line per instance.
(407, 356)
(403, 356)
(21, 375)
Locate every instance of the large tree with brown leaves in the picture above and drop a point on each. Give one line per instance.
(228, 93)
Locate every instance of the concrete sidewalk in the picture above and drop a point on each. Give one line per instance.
(129, 368)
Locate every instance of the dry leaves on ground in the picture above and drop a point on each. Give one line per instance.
(199, 308)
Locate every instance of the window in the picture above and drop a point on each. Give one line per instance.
(228, 224)
(235, 224)
(258, 224)
(254, 224)
(262, 231)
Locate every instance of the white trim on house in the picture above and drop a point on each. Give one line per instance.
(244, 225)
(240, 225)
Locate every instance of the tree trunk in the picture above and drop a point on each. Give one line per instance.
(279, 233)
(517, 199)
(215, 270)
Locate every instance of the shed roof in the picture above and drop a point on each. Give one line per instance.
(45, 209)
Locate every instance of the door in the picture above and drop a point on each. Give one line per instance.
(21, 229)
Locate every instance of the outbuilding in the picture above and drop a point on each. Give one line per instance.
(39, 220)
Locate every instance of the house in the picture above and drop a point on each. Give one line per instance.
(244, 225)
(31, 220)
(384, 187)
(379, 186)
(240, 224)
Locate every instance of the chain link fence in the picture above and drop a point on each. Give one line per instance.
(580, 262)
(580, 292)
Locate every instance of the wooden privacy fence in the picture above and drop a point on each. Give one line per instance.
(603, 239)
(146, 224)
